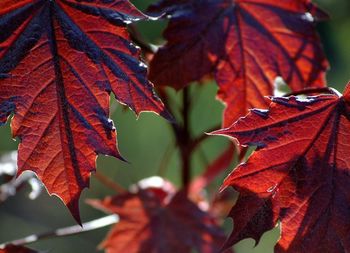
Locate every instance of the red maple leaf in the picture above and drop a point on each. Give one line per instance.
(59, 61)
(299, 174)
(159, 221)
(16, 249)
(246, 44)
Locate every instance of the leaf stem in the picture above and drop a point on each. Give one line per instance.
(67, 231)
(109, 183)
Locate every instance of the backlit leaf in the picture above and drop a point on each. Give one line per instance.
(299, 174)
(59, 61)
(158, 221)
(245, 44)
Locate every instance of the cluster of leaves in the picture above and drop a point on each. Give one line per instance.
(53, 53)
(298, 175)
(244, 44)
(159, 212)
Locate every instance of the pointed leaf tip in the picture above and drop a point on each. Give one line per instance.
(301, 161)
(66, 53)
(168, 116)
(73, 207)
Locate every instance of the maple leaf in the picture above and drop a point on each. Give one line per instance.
(16, 249)
(59, 61)
(159, 221)
(246, 44)
(299, 174)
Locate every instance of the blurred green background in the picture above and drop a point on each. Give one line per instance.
(144, 142)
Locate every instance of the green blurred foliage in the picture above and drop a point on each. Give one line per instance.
(144, 141)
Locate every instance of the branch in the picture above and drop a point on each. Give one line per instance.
(72, 230)
(197, 141)
(109, 183)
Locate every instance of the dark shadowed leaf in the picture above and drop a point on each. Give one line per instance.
(16, 249)
(59, 61)
(299, 174)
(155, 220)
(246, 44)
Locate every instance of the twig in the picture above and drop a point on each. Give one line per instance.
(109, 183)
(197, 141)
(72, 230)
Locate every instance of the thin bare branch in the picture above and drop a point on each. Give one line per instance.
(109, 183)
(197, 141)
(67, 231)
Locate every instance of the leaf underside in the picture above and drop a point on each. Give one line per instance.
(245, 44)
(299, 174)
(59, 62)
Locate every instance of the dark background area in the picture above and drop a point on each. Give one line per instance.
(144, 142)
